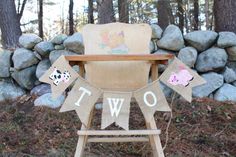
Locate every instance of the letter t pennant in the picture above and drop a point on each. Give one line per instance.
(81, 98)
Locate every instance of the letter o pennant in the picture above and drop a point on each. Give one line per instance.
(151, 99)
(153, 96)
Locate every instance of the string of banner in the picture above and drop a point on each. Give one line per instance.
(116, 105)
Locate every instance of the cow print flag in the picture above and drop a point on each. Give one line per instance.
(181, 79)
(60, 75)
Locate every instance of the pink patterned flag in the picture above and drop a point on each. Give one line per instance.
(181, 79)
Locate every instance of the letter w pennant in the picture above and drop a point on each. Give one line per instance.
(116, 107)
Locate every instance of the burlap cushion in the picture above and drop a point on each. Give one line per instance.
(117, 38)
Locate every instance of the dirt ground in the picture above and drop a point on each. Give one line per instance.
(203, 128)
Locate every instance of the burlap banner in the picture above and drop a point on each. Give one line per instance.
(116, 107)
(81, 98)
(151, 99)
(60, 75)
(181, 79)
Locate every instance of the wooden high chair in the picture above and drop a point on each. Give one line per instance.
(127, 72)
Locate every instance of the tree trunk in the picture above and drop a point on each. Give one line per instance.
(105, 11)
(123, 8)
(62, 20)
(40, 18)
(90, 11)
(225, 15)
(170, 14)
(188, 14)
(139, 13)
(180, 14)
(9, 24)
(71, 19)
(20, 8)
(207, 14)
(186, 22)
(195, 15)
(163, 15)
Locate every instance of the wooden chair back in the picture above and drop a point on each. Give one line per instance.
(117, 39)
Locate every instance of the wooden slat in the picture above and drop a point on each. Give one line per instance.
(155, 140)
(117, 139)
(154, 71)
(117, 132)
(81, 69)
(83, 139)
(146, 57)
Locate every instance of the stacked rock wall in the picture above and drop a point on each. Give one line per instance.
(211, 54)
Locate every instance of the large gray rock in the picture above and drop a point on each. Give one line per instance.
(226, 39)
(156, 31)
(6, 79)
(229, 75)
(44, 48)
(166, 90)
(10, 91)
(234, 83)
(151, 47)
(42, 67)
(23, 58)
(172, 39)
(54, 55)
(5, 63)
(211, 96)
(59, 47)
(28, 41)
(213, 82)
(231, 65)
(25, 78)
(161, 51)
(40, 90)
(59, 39)
(47, 100)
(162, 67)
(231, 53)
(37, 55)
(188, 56)
(226, 93)
(211, 59)
(75, 43)
(201, 40)
(76, 68)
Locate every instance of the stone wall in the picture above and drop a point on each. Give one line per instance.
(211, 54)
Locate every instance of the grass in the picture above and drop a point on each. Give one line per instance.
(201, 129)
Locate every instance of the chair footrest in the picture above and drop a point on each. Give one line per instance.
(118, 139)
(117, 132)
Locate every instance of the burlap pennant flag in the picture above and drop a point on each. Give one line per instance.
(116, 107)
(151, 99)
(60, 75)
(81, 98)
(181, 79)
